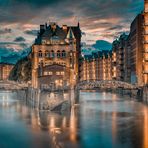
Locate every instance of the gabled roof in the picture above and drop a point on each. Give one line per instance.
(53, 31)
(99, 54)
(58, 32)
(70, 34)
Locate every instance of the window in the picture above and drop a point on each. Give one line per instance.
(58, 54)
(46, 73)
(43, 41)
(62, 73)
(57, 73)
(52, 54)
(70, 54)
(63, 54)
(47, 54)
(40, 54)
(49, 73)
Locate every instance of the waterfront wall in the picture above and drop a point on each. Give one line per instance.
(30, 96)
(21, 94)
(47, 100)
(145, 94)
(33, 97)
(140, 94)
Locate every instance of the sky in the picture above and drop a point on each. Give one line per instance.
(99, 19)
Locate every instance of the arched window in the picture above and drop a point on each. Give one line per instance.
(58, 54)
(63, 54)
(71, 54)
(40, 54)
(47, 54)
(52, 54)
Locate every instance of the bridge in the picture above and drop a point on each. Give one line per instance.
(11, 85)
(105, 84)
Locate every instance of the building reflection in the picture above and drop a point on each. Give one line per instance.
(60, 126)
(114, 127)
(145, 128)
(73, 125)
(129, 128)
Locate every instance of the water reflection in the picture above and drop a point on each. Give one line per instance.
(145, 128)
(114, 127)
(113, 121)
(102, 120)
(73, 125)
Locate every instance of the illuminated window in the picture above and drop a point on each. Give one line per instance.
(50, 73)
(62, 73)
(43, 41)
(71, 54)
(46, 73)
(57, 73)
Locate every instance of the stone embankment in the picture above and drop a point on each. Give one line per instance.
(145, 94)
(45, 100)
(141, 93)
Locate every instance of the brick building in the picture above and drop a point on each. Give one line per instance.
(5, 70)
(97, 66)
(55, 56)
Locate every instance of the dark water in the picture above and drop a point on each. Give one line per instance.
(102, 120)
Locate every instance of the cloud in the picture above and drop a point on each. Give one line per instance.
(102, 45)
(117, 27)
(98, 46)
(31, 32)
(19, 39)
(13, 47)
(9, 55)
(83, 33)
(5, 31)
(100, 18)
(86, 10)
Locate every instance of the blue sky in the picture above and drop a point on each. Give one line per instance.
(99, 19)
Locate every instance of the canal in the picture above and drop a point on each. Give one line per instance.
(101, 120)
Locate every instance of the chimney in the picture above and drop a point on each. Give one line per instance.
(64, 27)
(46, 25)
(42, 28)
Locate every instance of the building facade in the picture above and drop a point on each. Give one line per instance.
(120, 59)
(145, 46)
(136, 47)
(55, 56)
(97, 66)
(5, 70)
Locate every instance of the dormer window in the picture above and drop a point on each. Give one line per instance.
(43, 41)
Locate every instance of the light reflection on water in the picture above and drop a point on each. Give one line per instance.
(102, 120)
